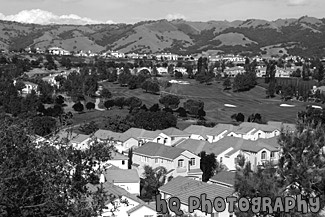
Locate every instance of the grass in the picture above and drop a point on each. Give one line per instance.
(97, 116)
(214, 98)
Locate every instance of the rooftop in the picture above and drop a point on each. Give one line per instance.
(224, 177)
(183, 188)
(153, 149)
(172, 131)
(192, 145)
(122, 176)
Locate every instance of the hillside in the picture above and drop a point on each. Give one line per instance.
(303, 36)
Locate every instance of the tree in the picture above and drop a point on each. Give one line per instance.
(193, 106)
(124, 77)
(88, 128)
(153, 180)
(133, 102)
(154, 108)
(170, 101)
(59, 100)
(178, 74)
(159, 120)
(227, 83)
(38, 179)
(79, 107)
(181, 112)
(130, 155)
(112, 77)
(208, 165)
(240, 117)
(109, 104)
(43, 126)
(90, 86)
(105, 93)
(201, 113)
(119, 102)
(117, 124)
(90, 105)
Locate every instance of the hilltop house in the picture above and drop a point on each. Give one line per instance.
(126, 179)
(256, 152)
(177, 161)
(123, 203)
(183, 188)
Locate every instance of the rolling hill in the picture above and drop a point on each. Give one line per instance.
(303, 36)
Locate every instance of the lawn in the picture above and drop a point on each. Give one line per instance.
(97, 116)
(214, 98)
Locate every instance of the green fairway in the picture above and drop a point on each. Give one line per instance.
(215, 98)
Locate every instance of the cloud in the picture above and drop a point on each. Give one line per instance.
(297, 2)
(38, 16)
(175, 16)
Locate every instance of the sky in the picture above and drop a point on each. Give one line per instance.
(132, 11)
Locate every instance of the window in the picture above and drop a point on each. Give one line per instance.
(123, 162)
(156, 160)
(272, 154)
(263, 155)
(192, 161)
(144, 159)
(220, 159)
(162, 161)
(181, 163)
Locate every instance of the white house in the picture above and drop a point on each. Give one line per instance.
(171, 136)
(208, 133)
(257, 152)
(118, 160)
(126, 179)
(58, 51)
(177, 161)
(122, 141)
(123, 204)
(254, 131)
(183, 188)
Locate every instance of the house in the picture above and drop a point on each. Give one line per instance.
(126, 179)
(122, 203)
(233, 71)
(142, 135)
(171, 136)
(29, 87)
(256, 152)
(79, 141)
(122, 141)
(177, 161)
(58, 51)
(193, 145)
(283, 126)
(208, 133)
(118, 160)
(226, 178)
(183, 188)
(254, 131)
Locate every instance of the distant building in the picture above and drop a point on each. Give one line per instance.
(177, 161)
(58, 51)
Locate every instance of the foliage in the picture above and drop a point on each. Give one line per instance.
(181, 112)
(90, 86)
(79, 107)
(193, 106)
(227, 83)
(119, 102)
(88, 128)
(244, 82)
(130, 155)
(208, 165)
(153, 180)
(150, 86)
(43, 126)
(90, 105)
(109, 103)
(133, 102)
(170, 101)
(105, 93)
(117, 124)
(238, 117)
(159, 120)
(38, 179)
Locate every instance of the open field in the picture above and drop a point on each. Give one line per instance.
(253, 101)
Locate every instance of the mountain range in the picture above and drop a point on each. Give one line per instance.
(304, 36)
